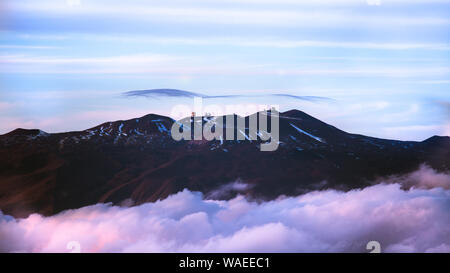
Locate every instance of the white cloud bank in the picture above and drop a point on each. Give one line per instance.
(417, 220)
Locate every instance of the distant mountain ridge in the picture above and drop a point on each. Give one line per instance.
(138, 160)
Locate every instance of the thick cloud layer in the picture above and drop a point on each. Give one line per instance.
(417, 220)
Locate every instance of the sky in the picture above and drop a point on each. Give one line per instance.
(383, 64)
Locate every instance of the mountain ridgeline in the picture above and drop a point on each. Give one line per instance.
(137, 161)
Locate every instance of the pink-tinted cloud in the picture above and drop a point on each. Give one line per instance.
(424, 178)
(417, 220)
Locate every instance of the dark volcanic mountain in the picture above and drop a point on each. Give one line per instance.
(138, 160)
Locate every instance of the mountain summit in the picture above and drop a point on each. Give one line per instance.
(137, 161)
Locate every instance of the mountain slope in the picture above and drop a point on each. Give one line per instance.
(138, 160)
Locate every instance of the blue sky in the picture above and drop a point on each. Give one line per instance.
(385, 64)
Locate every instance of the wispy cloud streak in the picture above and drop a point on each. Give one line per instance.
(221, 15)
(155, 93)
